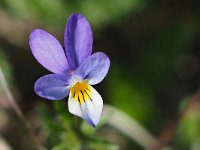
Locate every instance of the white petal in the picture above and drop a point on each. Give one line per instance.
(88, 108)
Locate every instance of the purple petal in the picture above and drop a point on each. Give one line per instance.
(78, 40)
(48, 51)
(94, 68)
(53, 86)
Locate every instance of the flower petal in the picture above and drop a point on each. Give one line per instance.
(88, 108)
(48, 51)
(53, 86)
(78, 40)
(94, 68)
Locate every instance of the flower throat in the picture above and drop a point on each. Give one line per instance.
(81, 92)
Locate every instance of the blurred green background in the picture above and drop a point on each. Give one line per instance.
(154, 47)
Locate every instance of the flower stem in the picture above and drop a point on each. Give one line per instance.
(82, 138)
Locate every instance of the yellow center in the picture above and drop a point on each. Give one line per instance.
(81, 91)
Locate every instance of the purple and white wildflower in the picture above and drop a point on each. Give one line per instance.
(74, 68)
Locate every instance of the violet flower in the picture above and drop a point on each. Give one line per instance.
(74, 68)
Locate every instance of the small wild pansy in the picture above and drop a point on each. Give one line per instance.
(74, 68)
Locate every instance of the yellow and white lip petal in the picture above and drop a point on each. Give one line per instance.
(85, 102)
